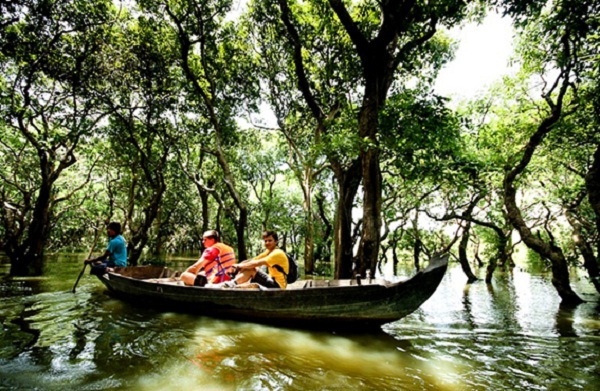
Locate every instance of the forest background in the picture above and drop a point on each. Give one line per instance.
(151, 113)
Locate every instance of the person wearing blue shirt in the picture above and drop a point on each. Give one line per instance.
(115, 254)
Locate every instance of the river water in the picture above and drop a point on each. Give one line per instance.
(510, 335)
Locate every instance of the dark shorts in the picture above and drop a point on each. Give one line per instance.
(98, 269)
(200, 280)
(265, 280)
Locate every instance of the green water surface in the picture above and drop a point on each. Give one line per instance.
(510, 335)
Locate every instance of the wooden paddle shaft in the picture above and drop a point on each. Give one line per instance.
(89, 255)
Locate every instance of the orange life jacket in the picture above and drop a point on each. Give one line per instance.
(216, 270)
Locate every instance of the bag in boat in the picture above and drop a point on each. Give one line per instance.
(292, 276)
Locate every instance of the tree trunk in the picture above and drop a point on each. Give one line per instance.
(158, 248)
(207, 97)
(309, 240)
(371, 233)
(418, 244)
(309, 248)
(500, 257)
(549, 251)
(462, 254)
(590, 261)
(240, 230)
(205, 211)
(27, 258)
(323, 252)
(477, 256)
(348, 182)
(395, 260)
(140, 237)
(218, 219)
(592, 182)
(372, 184)
(467, 215)
(560, 270)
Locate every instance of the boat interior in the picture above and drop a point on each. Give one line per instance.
(164, 275)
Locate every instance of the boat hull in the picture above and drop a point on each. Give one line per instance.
(313, 304)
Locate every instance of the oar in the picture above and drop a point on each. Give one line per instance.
(89, 255)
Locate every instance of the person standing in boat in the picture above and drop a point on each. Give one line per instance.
(248, 271)
(115, 254)
(213, 266)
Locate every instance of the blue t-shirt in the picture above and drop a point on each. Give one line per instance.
(118, 252)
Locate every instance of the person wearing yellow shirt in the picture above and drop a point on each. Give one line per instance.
(248, 271)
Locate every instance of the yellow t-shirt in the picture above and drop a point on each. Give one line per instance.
(276, 257)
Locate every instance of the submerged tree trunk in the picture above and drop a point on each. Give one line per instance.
(381, 53)
(549, 251)
(27, 258)
(309, 244)
(464, 242)
(417, 249)
(159, 242)
(500, 257)
(560, 270)
(38, 232)
(462, 254)
(581, 240)
(240, 231)
(25, 243)
(591, 261)
(592, 182)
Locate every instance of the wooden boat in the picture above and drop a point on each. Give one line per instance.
(334, 304)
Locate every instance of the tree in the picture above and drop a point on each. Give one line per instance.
(421, 161)
(573, 186)
(383, 36)
(561, 36)
(143, 101)
(394, 35)
(310, 98)
(51, 58)
(211, 63)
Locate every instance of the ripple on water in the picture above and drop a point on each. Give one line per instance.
(477, 337)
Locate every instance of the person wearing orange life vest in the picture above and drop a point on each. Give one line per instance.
(213, 266)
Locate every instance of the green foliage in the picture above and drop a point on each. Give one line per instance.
(420, 134)
(150, 128)
(50, 54)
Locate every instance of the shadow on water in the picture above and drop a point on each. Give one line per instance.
(512, 334)
(564, 321)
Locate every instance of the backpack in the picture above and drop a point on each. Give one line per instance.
(292, 276)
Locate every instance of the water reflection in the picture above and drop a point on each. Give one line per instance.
(512, 334)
